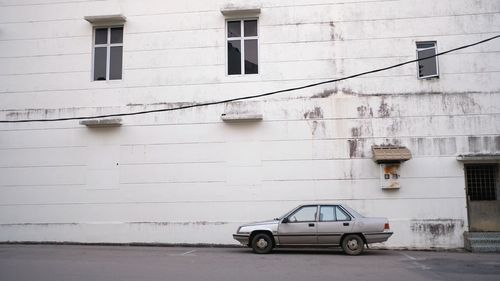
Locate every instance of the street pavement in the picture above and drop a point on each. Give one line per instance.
(103, 263)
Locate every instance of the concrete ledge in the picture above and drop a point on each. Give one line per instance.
(98, 123)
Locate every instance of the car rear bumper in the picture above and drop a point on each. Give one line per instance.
(242, 238)
(377, 237)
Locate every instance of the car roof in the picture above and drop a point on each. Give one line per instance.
(350, 210)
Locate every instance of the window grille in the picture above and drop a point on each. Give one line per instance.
(481, 180)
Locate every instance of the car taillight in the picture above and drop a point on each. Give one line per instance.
(386, 226)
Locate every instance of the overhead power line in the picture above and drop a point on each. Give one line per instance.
(252, 96)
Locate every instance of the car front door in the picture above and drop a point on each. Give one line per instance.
(300, 227)
(333, 222)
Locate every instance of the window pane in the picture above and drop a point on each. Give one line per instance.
(341, 216)
(101, 36)
(427, 67)
(100, 63)
(327, 213)
(304, 214)
(117, 35)
(234, 29)
(115, 68)
(234, 57)
(251, 57)
(250, 28)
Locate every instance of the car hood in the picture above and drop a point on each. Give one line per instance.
(266, 222)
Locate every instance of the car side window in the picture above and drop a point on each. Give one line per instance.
(304, 214)
(333, 213)
(341, 215)
(327, 213)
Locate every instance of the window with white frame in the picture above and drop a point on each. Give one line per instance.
(428, 66)
(242, 47)
(108, 53)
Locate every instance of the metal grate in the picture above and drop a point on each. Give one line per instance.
(481, 181)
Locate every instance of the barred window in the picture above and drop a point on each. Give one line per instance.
(481, 180)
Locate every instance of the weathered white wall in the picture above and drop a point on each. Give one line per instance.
(187, 177)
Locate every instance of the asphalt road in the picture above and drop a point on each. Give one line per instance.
(64, 262)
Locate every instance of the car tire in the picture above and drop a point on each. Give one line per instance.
(262, 243)
(353, 245)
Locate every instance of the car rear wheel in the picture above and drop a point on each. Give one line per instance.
(353, 245)
(262, 243)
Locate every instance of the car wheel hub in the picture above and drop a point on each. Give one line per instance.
(353, 244)
(262, 243)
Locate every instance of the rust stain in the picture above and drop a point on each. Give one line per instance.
(391, 169)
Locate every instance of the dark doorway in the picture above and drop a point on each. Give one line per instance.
(482, 186)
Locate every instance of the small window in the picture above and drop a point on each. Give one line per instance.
(333, 213)
(428, 67)
(304, 214)
(482, 181)
(242, 47)
(108, 53)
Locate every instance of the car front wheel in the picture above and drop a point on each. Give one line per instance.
(353, 245)
(262, 243)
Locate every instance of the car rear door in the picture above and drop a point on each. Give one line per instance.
(333, 222)
(301, 227)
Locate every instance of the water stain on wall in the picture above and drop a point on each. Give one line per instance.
(335, 34)
(192, 223)
(436, 228)
(365, 111)
(384, 110)
(316, 113)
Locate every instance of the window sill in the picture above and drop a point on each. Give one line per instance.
(242, 78)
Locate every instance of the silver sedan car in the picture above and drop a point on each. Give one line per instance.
(315, 225)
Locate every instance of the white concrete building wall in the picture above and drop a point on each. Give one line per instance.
(188, 177)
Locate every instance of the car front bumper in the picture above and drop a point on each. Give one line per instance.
(242, 238)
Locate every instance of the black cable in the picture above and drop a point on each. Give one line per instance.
(253, 96)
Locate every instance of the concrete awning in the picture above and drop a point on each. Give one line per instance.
(479, 158)
(390, 154)
(233, 12)
(106, 19)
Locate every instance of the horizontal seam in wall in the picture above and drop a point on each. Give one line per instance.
(229, 202)
(398, 117)
(228, 82)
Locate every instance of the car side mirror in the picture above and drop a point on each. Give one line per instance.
(285, 220)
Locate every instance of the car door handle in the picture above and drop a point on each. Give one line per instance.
(346, 224)
(311, 224)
